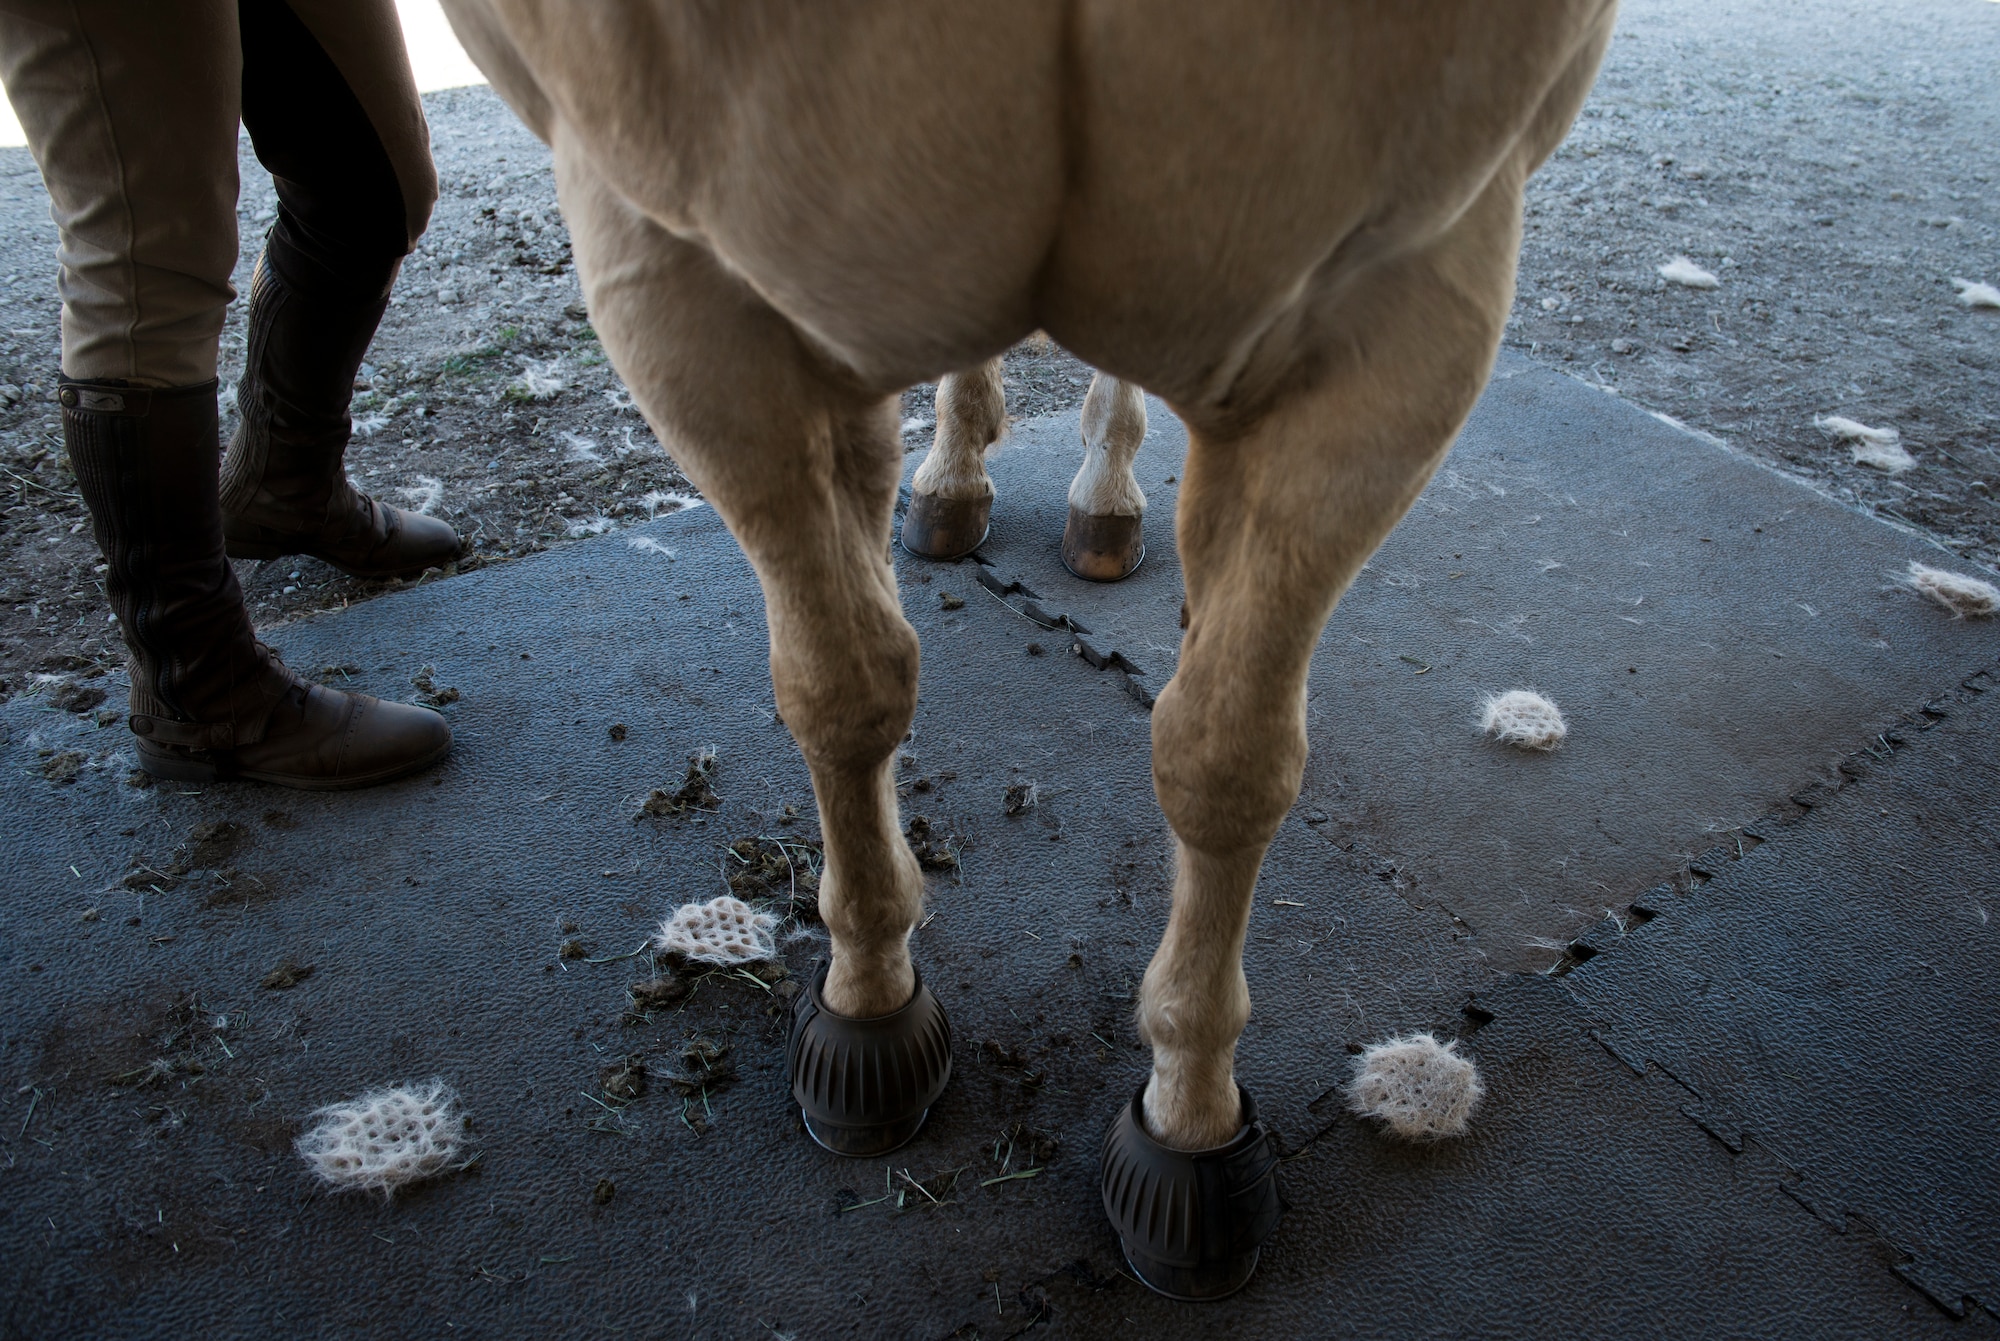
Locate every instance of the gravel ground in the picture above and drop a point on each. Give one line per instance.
(1830, 164)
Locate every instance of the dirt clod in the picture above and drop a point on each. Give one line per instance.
(1021, 797)
(705, 1068)
(951, 602)
(208, 847)
(776, 868)
(657, 993)
(428, 692)
(61, 768)
(603, 1192)
(286, 976)
(617, 731)
(934, 851)
(625, 1081)
(574, 948)
(696, 791)
(70, 696)
(1002, 1055)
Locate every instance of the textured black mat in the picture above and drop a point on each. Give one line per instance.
(1714, 632)
(143, 1199)
(1834, 996)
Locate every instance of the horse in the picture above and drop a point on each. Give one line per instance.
(1297, 224)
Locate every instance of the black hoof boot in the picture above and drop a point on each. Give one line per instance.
(1191, 1222)
(866, 1086)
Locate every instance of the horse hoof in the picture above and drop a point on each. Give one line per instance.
(946, 529)
(1191, 1222)
(866, 1086)
(1102, 549)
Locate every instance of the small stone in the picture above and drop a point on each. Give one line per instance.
(1622, 346)
(91, 914)
(951, 602)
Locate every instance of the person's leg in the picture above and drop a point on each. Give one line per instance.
(131, 112)
(355, 187)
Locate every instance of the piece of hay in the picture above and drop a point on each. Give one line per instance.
(1975, 294)
(725, 930)
(385, 1139)
(1881, 448)
(1420, 1089)
(1688, 275)
(1523, 718)
(1956, 592)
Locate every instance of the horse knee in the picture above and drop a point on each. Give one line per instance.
(849, 693)
(1226, 766)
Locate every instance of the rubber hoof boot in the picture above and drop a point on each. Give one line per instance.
(1102, 549)
(946, 529)
(1191, 1222)
(866, 1086)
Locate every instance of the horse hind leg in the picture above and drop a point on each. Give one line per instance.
(1280, 506)
(951, 495)
(1103, 539)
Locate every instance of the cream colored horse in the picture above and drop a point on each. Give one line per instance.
(1296, 223)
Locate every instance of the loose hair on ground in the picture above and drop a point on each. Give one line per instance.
(725, 930)
(386, 1138)
(1524, 719)
(1962, 595)
(1881, 448)
(1419, 1088)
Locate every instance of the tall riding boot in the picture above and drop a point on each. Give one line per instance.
(208, 700)
(284, 483)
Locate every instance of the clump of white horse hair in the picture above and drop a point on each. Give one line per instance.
(1975, 294)
(1688, 275)
(1420, 1089)
(384, 1139)
(1523, 718)
(725, 930)
(1956, 592)
(1881, 448)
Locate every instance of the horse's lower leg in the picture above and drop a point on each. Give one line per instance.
(1102, 539)
(951, 496)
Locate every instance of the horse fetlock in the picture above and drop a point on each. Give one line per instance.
(1191, 1101)
(865, 986)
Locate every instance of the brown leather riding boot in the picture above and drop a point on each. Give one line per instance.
(208, 700)
(284, 483)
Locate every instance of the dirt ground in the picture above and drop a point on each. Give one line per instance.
(1831, 164)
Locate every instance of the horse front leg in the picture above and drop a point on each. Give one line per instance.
(802, 464)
